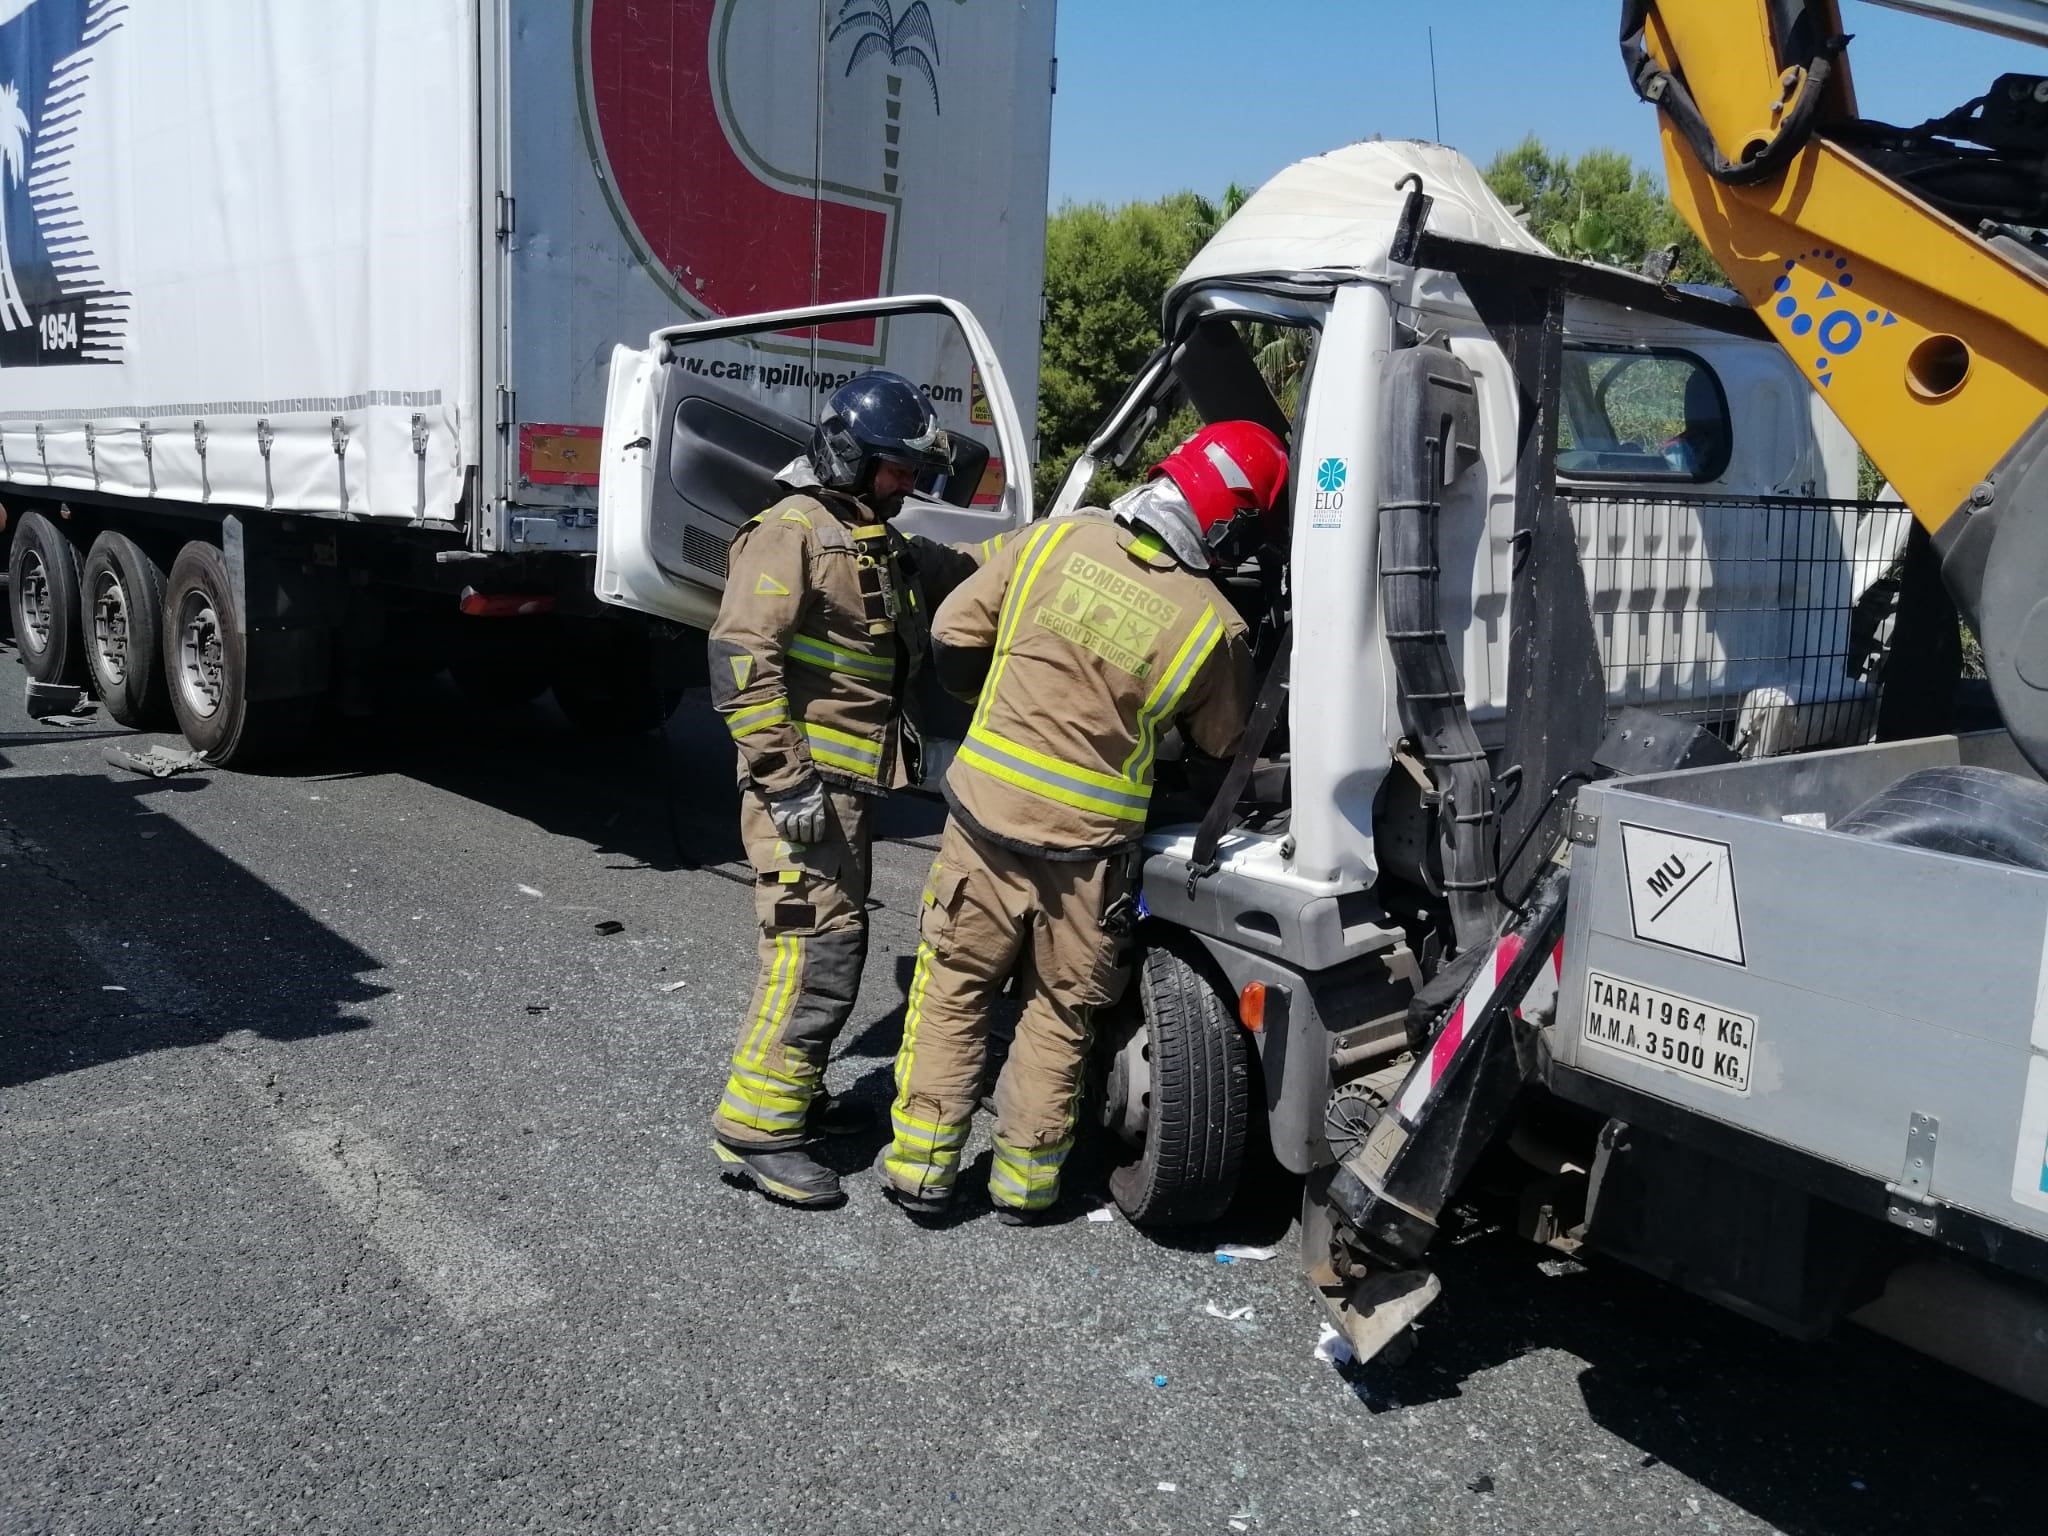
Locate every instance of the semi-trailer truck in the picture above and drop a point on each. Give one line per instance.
(305, 316)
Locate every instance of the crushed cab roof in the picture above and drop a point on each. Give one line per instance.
(1339, 211)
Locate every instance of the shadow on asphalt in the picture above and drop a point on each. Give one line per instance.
(1847, 1437)
(657, 802)
(126, 934)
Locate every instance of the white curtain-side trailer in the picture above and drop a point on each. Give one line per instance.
(305, 314)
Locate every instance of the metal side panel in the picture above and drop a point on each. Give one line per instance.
(699, 159)
(1866, 1004)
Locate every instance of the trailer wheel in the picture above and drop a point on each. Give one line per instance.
(206, 658)
(124, 628)
(42, 576)
(493, 683)
(606, 682)
(1179, 1095)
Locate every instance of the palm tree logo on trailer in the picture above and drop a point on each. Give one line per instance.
(905, 43)
(13, 164)
(55, 305)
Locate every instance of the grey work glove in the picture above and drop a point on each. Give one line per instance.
(799, 814)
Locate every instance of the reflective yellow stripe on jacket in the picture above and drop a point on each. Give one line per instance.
(834, 748)
(828, 657)
(1083, 788)
(1171, 688)
(758, 717)
(1038, 548)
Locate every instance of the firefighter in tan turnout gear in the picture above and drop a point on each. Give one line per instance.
(1084, 641)
(825, 618)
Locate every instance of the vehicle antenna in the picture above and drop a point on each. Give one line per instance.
(1436, 111)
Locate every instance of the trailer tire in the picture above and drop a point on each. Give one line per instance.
(42, 594)
(123, 616)
(607, 683)
(206, 660)
(1185, 1170)
(496, 683)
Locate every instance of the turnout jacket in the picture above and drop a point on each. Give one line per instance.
(1088, 640)
(825, 618)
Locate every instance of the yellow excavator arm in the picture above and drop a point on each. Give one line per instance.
(1901, 268)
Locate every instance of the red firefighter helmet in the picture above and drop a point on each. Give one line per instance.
(1229, 472)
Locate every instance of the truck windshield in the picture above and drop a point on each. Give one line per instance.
(1641, 415)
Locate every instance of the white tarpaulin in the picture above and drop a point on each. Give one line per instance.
(238, 251)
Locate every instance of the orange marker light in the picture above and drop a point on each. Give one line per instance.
(1251, 1006)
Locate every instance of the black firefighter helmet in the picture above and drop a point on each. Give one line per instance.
(876, 417)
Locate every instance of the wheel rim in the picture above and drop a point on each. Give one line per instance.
(1127, 1092)
(33, 602)
(200, 667)
(110, 627)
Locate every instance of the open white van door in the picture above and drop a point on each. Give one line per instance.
(699, 421)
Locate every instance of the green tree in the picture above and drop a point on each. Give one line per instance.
(1106, 273)
(1599, 207)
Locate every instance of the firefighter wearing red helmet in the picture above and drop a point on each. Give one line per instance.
(1082, 643)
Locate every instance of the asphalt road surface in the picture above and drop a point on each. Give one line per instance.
(352, 1180)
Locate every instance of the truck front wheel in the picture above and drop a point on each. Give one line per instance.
(124, 624)
(1179, 1095)
(206, 655)
(42, 575)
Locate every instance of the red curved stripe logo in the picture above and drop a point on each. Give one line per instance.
(723, 231)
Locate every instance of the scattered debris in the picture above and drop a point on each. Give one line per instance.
(527, 890)
(58, 703)
(1235, 1253)
(1102, 1213)
(1234, 1315)
(1483, 1483)
(1332, 1348)
(1555, 1267)
(610, 926)
(156, 763)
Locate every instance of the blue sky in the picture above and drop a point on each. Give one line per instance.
(1156, 95)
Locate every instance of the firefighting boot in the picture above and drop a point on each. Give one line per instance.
(1016, 1216)
(787, 1174)
(925, 1210)
(833, 1116)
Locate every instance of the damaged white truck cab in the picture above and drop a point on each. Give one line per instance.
(1381, 309)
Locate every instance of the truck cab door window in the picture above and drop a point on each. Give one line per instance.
(1641, 415)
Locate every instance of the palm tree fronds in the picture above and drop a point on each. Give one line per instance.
(914, 56)
(870, 43)
(881, 21)
(917, 23)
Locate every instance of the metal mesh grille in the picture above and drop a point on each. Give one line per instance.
(704, 550)
(1762, 618)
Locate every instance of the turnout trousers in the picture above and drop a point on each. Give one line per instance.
(811, 900)
(989, 911)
